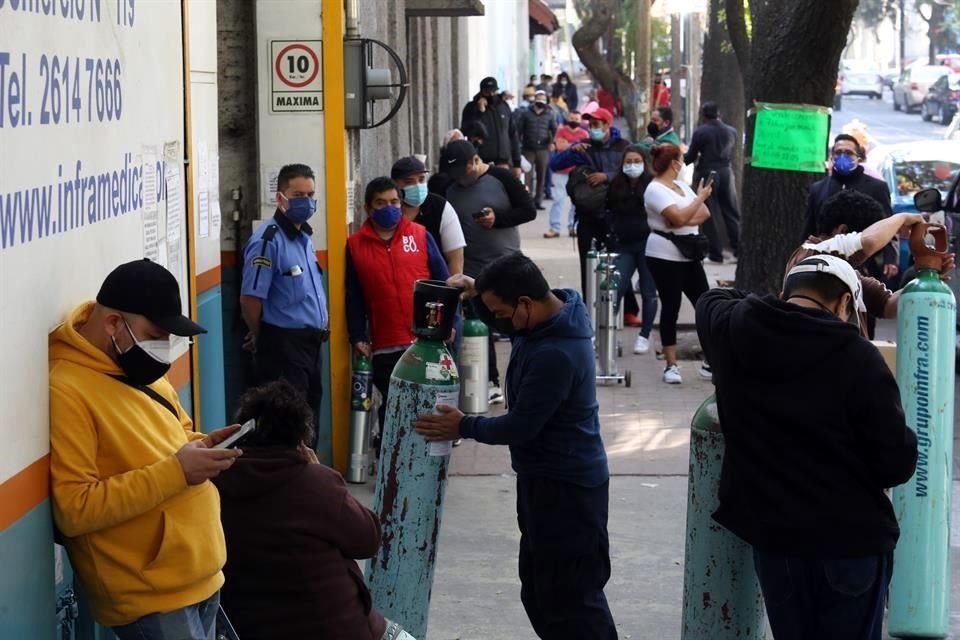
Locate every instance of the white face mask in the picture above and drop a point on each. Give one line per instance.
(159, 350)
(633, 170)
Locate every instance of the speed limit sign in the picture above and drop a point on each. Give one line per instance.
(297, 76)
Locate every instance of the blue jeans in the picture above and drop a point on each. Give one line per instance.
(196, 622)
(633, 258)
(837, 599)
(561, 201)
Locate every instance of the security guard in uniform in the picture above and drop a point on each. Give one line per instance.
(282, 297)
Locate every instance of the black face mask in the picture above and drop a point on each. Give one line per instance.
(138, 365)
(573, 125)
(653, 130)
(505, 326)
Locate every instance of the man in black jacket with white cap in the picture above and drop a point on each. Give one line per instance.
(502, 144)
(814, 433)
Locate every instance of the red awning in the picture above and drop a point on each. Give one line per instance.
(542, 20)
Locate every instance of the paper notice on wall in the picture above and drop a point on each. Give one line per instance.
(174, 217)
(203, 167)
(151, 217)
(215, 195)
(270, 186)
(449, 398)
(215, 178)
(203, 214)
(174, 204)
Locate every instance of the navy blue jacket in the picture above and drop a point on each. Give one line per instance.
(607, 156)
(552, 424)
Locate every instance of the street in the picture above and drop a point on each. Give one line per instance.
(885, 125)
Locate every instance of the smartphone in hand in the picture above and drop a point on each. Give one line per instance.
(246, 429)
(479, 214)
(710, 178)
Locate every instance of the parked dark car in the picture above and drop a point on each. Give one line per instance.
(942, 100)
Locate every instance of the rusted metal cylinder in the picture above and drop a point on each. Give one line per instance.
(412, 475)
(721, 595)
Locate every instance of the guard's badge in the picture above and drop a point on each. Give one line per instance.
(262, 261)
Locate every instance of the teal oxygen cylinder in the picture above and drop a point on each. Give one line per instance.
(926, 320)
(412, 475)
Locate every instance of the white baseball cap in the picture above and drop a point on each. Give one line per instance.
(836, 267)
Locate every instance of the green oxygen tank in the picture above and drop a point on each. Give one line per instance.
(474, 365)
(412, 475)
(926, 321)
(361, 403)
(721, 595)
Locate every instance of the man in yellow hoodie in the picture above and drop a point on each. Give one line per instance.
(129, 475)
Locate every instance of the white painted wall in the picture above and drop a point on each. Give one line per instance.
(203, 120)
(285, 138)
(498, 45)
(42, 276)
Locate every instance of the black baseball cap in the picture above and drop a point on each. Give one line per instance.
(405, 167)
(456, 157)
(147, 289)
(489, 83)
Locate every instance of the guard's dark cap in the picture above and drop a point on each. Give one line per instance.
(456, 157)
(147, 289)
(405, 167)
(489, 83)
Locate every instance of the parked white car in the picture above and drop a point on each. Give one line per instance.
(912, 86)
(868, 82)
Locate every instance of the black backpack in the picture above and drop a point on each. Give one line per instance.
(589, 201)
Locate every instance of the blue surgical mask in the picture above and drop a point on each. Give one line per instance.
(299, 210)
(844, 165)
(597, 135)
(387, 217)
(415, 194)
(633, 170)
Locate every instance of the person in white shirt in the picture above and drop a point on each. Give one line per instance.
(674, 213)
(430, 210)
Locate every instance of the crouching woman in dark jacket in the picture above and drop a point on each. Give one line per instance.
(294, 533)
(628, 218)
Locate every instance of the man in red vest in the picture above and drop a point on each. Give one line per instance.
(384, 259)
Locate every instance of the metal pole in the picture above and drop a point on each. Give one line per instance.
(676, 62)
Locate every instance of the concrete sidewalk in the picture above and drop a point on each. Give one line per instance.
(476, 594)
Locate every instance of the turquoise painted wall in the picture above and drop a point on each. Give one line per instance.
(27, 578)
(213, 407)
(238, 372)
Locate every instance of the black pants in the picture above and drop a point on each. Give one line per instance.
(295, 355)
(539, 159)
(589, 228)
(722, 203)
(841, 599)
(564, 558)
(493, 374)
(383, 364)
(674, 280)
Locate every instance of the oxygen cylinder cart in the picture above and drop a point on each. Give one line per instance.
(607, 328)
(361, 403)
(926, 317)
(412, 475)
(474, 365)
(599, 273)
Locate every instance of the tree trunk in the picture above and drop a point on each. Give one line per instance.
(642, 77)
(676, 64)
(609, 76)
(740, 39)
(721, 81)
(794, 56)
